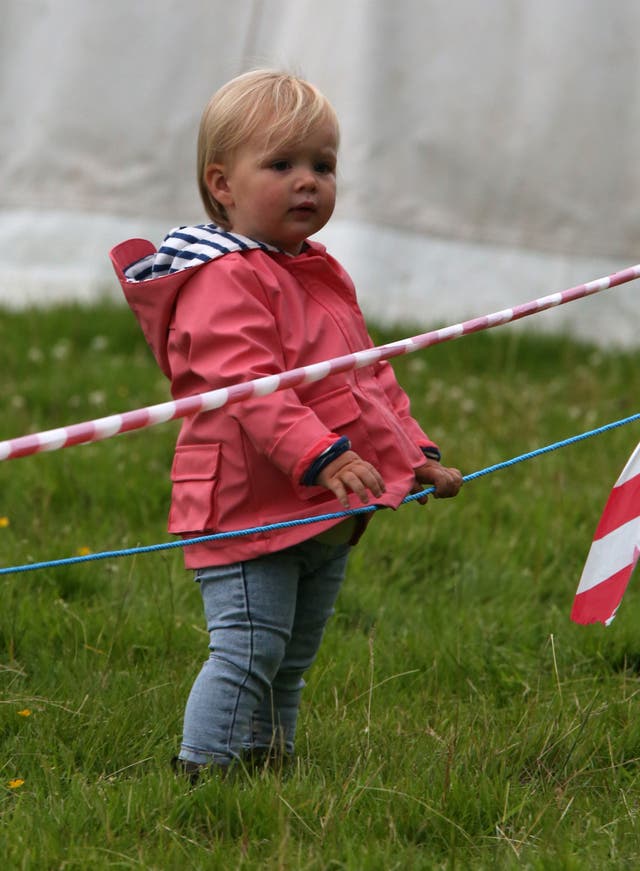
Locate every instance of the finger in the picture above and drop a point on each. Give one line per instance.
(352, 480)
(418, 488)
(338, 490)
(449, 484)
(372, 479)
(382, 487)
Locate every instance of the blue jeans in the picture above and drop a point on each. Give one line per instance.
(265, 619)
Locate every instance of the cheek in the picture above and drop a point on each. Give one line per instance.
(329, 196)
(273, 196)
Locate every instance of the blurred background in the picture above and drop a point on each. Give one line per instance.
(489, 150)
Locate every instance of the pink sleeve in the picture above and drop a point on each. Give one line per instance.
(401, 405)
(225, 333)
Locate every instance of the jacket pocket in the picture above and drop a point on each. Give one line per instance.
(336, 409)
(194, 474)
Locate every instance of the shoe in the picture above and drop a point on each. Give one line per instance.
(193, 771)
(266, 759)
(185, 768)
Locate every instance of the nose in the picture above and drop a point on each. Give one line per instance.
(306, 179)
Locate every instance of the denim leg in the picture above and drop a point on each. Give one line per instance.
(248, 637)
(322, 569)
(251, 610)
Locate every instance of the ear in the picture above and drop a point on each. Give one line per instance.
(216, 180)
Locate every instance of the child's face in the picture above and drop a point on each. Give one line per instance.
(279, 194)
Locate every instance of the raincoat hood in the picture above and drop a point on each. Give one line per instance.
(151, 279)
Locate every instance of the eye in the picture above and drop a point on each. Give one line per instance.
(280, 165)
(324, 167)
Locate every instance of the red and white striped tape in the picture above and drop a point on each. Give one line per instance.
(105, 427)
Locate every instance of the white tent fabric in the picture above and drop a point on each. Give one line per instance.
(489, 150)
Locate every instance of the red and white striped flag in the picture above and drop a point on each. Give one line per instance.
(614, 551)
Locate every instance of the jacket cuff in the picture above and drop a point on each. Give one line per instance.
(312, 454)
(328, 456)
(431, 452)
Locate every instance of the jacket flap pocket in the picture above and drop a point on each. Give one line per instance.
(195, 463)
(337, 408)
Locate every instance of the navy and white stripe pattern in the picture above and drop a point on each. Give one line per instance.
(184, 247)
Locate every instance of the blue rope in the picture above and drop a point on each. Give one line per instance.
(168, 545)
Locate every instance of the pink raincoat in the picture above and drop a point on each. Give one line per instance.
(243, 316)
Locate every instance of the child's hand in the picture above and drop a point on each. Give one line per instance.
(350, 472)
(446, 481)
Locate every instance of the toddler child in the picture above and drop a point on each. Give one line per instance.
(244, 297)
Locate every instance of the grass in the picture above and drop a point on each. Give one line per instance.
(456, 718)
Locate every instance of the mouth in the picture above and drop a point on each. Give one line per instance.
(304, 209)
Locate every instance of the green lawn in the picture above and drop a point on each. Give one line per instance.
(456, 718)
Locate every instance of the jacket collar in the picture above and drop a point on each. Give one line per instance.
(185, 247)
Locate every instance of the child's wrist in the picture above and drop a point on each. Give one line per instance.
(339, 447)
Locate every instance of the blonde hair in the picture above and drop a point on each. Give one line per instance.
(290, 105)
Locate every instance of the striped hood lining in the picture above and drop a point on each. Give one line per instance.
(185, 247)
